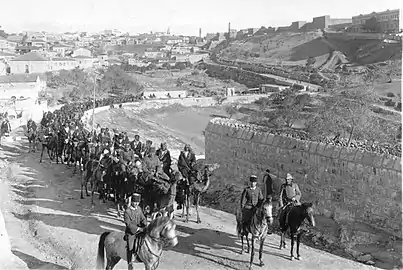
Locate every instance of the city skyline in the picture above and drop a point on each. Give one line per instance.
(182, 18)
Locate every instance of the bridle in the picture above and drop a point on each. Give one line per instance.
(160, 242)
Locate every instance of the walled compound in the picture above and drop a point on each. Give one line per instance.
(359, 185)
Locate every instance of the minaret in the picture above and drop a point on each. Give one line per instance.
(229, 30)
(199, 33)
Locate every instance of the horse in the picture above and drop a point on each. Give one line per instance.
(32, 136)
(50, 143)
(201, 181)
(257, 226)
(165, 202)
(293, 221)
(148, 244)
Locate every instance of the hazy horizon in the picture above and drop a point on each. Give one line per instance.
(179, 15)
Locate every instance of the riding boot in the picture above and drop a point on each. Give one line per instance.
(129, 254)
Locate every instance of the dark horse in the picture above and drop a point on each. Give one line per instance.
(50, 142)
(257, 226)
(293, 220)
(32, 136)
(148, 244)
(165, 202)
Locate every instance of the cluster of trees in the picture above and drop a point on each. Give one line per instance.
(113, 80)
(348, 113)
(130, 68)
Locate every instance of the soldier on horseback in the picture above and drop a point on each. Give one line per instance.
(251, 197)
(165, 157)
(186, 162)
(5, 127)
(136, 145)
(126, 158)
(135, 223)
(290, 195)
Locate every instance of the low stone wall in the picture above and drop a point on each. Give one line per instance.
(349, 183)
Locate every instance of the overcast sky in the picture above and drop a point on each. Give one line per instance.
(182, 16)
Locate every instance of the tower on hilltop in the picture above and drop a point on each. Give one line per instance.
(229, 30)
(168, 31)
(200, 33)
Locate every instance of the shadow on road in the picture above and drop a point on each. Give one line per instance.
(34, 263)
(215, 246)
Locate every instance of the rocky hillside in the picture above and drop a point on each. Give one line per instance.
(329, 50)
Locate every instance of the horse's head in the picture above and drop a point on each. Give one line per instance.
(163, 229)
(266, 210)
(308, 213)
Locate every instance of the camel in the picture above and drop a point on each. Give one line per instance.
(200, 185)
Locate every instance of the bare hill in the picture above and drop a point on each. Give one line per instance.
(329, 50)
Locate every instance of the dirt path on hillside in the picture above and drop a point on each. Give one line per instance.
(51, 228)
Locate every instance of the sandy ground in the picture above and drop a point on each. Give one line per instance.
(51, 228)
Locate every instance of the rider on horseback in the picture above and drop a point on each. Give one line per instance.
(126, 158)
(251, 197)
(152, 165)
(186, 161)
(290, 195)
(135, 223)
(31, 124)
(6, 127)
(165, 157)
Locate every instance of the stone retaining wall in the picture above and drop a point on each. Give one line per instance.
(346, 182)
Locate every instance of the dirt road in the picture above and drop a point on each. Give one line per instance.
(51, 228)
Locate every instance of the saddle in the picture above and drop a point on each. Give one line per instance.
(285, 210)
(135, 242)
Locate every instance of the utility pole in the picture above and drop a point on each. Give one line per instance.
(93, 108)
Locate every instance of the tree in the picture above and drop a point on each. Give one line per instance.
(180, 65)
(116, 80)
(372, 25)
(310, 61)
(231, 109)
(347, 112)
(219, 99)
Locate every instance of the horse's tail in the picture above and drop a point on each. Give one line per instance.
(101, 247)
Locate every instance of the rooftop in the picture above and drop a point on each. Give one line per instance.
(62, 59)
(31, 56)
(82, 57)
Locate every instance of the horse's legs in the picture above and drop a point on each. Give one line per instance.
(252, 253)
(247, 242)
(43, 148)
(241, 244)
(187, 205)
(298, 242)
(197, 201)
(83, 183)
(282, 240)
(292, 246)
(261, 251)
(111, 262)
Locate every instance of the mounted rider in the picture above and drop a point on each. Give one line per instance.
(165, 157)
(126, 158)
(136, 145)
(186, 162)
(152, 165)
(135, 223)
(251, 197)
(290, 195)
(289, 192)
(6, 127)
(31, 125)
